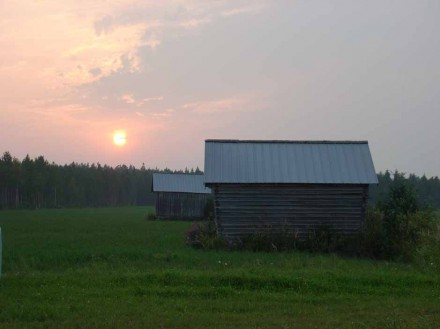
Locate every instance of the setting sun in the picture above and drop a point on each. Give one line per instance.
(119, 138)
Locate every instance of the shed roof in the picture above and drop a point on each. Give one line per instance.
(313, 162)
(184, 183)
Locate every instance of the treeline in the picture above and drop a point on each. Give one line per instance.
(36, 183)
(427, 189)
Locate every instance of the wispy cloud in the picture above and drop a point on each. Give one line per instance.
(253, 9)
(195, 22)
(104, 25)
(150, 99)
(61, 45)
(221, 105)
(130, 99)
(151, 40)
(164, 114)
(127, 99)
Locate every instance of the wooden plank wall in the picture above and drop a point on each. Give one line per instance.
(170, 205)
(243, 209)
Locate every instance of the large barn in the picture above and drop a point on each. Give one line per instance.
(180, 196)
(288, 185)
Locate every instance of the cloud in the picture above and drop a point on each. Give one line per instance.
(194, 23)
(104, 25)
(221, 105)
(160, 98)
(129, 99)
(48, 52)
(151, 40)
(66, 44)
(95, 71)
(243, 10)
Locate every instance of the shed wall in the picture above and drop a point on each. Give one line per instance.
(173, 205)
(243, 209)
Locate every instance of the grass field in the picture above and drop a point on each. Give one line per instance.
(110, 268)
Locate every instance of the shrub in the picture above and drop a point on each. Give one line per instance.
(268, 241)
(323, 239)
(403, 236)
(419, 236)
(150, 216)
(372, 236)
(192, 236)
(401, 199)
(405, 226)
(427, 254)
(204, 235)
(397, 207)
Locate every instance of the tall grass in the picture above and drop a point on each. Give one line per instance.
(96, 268)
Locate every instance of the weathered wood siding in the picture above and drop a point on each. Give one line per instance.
(173, 205)
(243, 209)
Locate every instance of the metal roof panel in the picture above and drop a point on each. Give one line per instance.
(184, 183)
(315, 162)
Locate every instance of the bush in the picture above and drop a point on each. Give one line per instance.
(150, 216)
(372, 236)
(405, 228)
(427, 254)
(397, 207)
(204, 235)
(268, 241)
(419, 231)
(404, 236)
(323, 239)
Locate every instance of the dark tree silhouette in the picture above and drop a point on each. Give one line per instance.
(36, 183)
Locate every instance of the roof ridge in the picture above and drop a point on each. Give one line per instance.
(285, 141)
(177, 173)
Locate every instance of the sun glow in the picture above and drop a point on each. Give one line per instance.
(119, 138)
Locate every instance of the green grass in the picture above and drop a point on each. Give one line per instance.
(110, 268)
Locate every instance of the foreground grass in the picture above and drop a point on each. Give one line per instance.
(110, 268)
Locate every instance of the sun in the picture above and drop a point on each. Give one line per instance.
(119, 138)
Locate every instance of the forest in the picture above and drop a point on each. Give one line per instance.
(38, 183)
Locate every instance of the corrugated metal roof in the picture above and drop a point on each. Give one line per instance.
(314, 162)
(186, 183)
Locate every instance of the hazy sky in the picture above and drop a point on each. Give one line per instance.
(174, 73)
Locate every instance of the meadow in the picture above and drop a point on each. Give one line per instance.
(111, 268)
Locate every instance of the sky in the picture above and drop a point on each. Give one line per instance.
(174, 73)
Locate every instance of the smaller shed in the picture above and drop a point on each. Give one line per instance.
(180, 196)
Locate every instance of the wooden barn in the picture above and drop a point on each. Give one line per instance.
(273, 186)
(180, 196)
